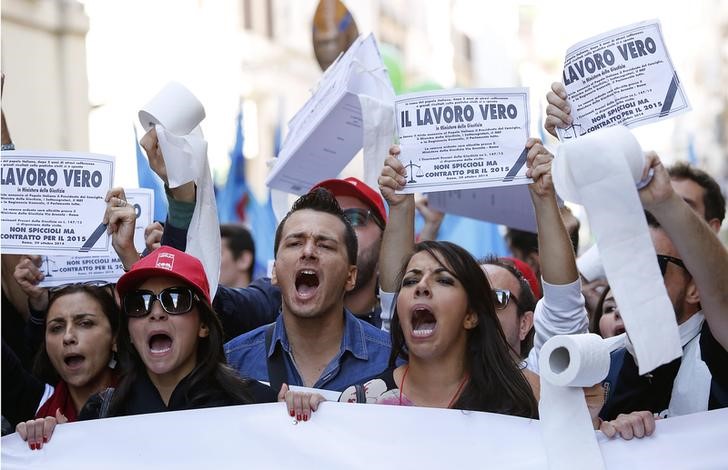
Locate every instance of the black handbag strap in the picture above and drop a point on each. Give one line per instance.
(276, 367)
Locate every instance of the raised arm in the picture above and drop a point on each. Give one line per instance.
(556, 253)
(399, 235)
(700, 249)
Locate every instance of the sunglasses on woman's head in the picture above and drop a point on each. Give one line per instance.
(174, 301)
(60, 289)
(502, 296)
(360, 217)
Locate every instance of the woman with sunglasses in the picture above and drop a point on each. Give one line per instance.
(170, 344)
(77, 353)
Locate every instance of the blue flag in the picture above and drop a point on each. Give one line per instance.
(233, 197)
(148, 179)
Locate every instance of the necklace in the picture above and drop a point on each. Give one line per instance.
(452, 400)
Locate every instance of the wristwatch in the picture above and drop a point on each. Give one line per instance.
(10, 146)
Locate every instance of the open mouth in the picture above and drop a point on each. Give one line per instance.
(307, 283)
(74, 361)
(160, 343)
(423, 322)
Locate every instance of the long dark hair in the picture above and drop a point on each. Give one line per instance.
(103, 295)
(496, 384)
(211, 367)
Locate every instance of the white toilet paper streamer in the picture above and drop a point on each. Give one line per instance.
(567, 363)
(175, 108)
(599, 171)
(176, 114)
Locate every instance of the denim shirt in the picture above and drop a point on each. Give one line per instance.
(364, 353)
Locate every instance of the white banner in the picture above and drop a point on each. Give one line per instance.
(463, 139)
(53, 202)
(343, 435)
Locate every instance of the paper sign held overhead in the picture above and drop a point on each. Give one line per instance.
(85, 267)
(328, 131)
(624, 76)
(53, 202)
(463, 139)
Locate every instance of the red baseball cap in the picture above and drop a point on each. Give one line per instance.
(166, 261)
(527, 274)
(357, 188)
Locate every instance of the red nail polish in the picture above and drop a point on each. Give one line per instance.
(298, 417)
(305, 417)
(293, 413)
(45, 440)
(32, 447)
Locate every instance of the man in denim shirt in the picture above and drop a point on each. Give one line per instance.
(317, 342)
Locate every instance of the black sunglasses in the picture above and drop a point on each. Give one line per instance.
(359, 217)
(502, 296)
(662, 261)
(174, 301)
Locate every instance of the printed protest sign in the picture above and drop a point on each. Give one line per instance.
(84, 267)
(328, 131)
(53, 202)
(462, 139)
(623, 77)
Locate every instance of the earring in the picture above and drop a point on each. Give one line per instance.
(112, 361)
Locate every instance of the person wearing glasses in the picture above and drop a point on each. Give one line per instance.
(170, 344)
(77, 354)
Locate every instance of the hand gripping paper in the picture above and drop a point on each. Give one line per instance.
(599, 171)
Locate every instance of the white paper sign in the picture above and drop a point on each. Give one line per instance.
(60, 270)
(510, 206)
(53, 202)
(327, 132)
(624, 76)
(463, 139)
(351, 436)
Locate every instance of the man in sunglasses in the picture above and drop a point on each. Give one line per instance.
(694, 265)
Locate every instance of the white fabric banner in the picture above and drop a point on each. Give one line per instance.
(343, 435)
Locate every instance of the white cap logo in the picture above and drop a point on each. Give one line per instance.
(165, 261)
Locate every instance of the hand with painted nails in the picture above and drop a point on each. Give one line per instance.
(637, 424)
(28, 274)
(39, 431)
(659, 188)
(558, 110)
(120, 218)
(300, 405)
(393, 178)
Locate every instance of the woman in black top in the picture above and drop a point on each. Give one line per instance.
(170, 344)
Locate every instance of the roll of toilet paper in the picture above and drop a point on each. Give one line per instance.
(175, 108)
(567, 364)
(601, 171)
(176, 113)
(574, 360)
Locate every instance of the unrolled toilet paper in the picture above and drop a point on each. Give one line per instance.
(567, 364)
(600, 171)
(176, 113)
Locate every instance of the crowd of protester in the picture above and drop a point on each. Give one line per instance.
(360, 304)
